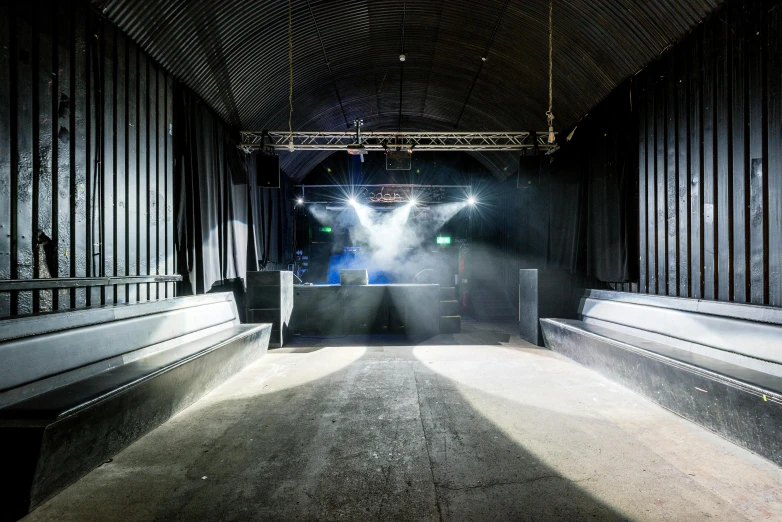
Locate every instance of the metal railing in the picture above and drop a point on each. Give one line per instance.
(10, 285)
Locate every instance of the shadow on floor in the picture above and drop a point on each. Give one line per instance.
(382, 438)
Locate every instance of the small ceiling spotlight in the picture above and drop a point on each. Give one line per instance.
(402, 57)
(471, 200)
(299, 201)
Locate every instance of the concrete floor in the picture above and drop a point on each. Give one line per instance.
(467, 427)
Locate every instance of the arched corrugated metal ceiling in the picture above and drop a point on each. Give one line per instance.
(234, 54)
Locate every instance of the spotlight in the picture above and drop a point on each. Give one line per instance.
(299, 201)
(413, 202)
(352, 201)
(471, 200)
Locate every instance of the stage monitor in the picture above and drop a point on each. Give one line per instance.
(398, 160)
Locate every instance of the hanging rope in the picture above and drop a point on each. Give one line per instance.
(290, 76)
(550, 111)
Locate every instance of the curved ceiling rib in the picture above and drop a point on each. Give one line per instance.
(234, 54)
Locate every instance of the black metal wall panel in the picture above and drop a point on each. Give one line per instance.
(711, 160)
(774, 153)
(73, 176)
(6, 185)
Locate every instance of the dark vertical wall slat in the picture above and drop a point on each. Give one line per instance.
(651, 187)
(683, 173)
(94, 160)
(660, 182)
(643, 246)
(756, 89)
(142, 194)
(709, 165)
(738, 72)
(169, 242)
(80, 165)
(64, 134)
(22, 232)
(5, 154)
(696, 169)
(774, 140)
(131, 185)
(152, 176)
(43, 153)
(120, 207)
(723, 172)
(671, 185)
(71, 101)
(108, 158)
(162, 132)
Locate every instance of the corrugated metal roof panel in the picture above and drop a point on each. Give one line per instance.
(234, 54)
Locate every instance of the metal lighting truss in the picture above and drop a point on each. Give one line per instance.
(384, 141)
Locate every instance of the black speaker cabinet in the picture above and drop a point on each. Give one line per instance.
(546, 294)
(398, 160)
(267, 170)
(530, 168)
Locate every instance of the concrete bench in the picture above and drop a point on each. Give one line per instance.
(717, 364)
(78, 386)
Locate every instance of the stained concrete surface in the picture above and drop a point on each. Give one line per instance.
(476, 426)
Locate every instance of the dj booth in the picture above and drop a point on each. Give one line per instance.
(412, 309)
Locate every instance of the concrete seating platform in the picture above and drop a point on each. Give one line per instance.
(716, 364)
(76, 387)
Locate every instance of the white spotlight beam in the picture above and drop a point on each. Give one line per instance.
(381, 141)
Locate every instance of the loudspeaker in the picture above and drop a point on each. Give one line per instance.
(398, 160)
(267, 170)
(530, 168)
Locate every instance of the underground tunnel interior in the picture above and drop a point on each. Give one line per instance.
(398, 260)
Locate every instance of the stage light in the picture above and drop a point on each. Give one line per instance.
(471, 200)
(412, 202)
(300, 201)
(352, 201)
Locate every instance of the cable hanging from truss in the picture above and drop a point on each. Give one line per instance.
(290, 74)
(550, 111)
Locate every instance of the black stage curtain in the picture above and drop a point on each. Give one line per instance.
(609, 201)
(212, 198)
(271, 230)
(565, 212)
(587, 196)
(225, 224)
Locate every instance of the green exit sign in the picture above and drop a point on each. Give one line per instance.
(443, 240)
(325, 229)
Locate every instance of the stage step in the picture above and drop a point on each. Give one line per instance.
(447, 293)
(450, 324)
(449, 307)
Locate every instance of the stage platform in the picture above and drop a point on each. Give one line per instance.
(408, 309)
